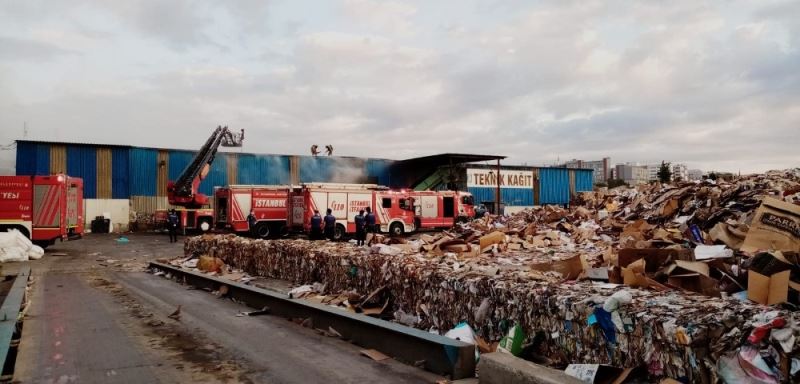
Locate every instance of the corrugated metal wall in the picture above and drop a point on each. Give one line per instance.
(294, 170)
(82, 162)
(162, 174)
(508, 196)
(143, 171)
(263, 169)
(379, 169)
(104, 173)
(584, 180)
(217, 176)
(232, 162)
(58, 159)
(119, 173)
(319, 169)
(553, 186)
(33, 158)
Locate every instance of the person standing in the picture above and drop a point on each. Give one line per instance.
(370, 225)
(251, 223)
(330, 224)
(361, 233)
(172, 225)
(316, 226)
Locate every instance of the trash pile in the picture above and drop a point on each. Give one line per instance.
(14, 246)
(696, 281)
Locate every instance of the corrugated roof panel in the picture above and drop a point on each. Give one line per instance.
(316, 169)
(264, 169)
(58, 159)
(143, 171)
(217, 176)
(178, 160)
(584, 180)
(104, 173)
(82, 162)
(119, 173)
(380, 170)
(33, 158)
(510, 197)
(553, 186)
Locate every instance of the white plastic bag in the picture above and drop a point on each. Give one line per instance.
(12, 254)
(36, 252)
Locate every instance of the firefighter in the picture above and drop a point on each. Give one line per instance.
(361, 233)
(370, 225)
(251, 222)
(330, 224)
(316, 226)
(172, 225)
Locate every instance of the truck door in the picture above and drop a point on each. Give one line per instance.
(449, 210)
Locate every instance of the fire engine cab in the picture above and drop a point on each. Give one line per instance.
(44, 208)
(441, 209)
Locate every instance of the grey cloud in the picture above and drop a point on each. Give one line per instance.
(29, 50)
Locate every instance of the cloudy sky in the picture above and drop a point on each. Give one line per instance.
(713, 84)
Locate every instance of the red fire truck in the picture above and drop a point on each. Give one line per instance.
(441, 209)
(394, 212)
(270, 204)
(44, 208)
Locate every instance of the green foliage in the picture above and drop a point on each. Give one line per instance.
(664, 173)
(613, 183)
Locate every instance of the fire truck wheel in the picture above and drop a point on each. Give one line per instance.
(204, 225)
(396, 229)
(338, 232)
(262, 230)
(283, 230)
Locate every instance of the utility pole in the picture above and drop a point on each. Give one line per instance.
(497, 195)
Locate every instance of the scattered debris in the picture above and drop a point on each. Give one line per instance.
(374, 355)
(176, 315)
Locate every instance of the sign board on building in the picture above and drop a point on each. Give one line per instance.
(508, 178)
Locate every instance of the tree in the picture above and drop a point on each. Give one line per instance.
(664, 173)
(613, 183)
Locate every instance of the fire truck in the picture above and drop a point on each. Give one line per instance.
(441, 209)
(394, 210)
(195, 212)
(44, 208)
(270, 204)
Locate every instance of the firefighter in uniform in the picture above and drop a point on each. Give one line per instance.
(172, 226)
(361, 233)
(251, 222)
(370, 225)
(330, 224)
(316, 226)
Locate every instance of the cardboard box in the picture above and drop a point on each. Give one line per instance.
(570, 268)
(599, 373)
(775, 226)
(768, 279)
(654, 257)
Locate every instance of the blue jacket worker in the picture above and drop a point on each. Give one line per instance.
(316, 226)
(172, 225)
(330, 224)
(251, 222)
(361, 233)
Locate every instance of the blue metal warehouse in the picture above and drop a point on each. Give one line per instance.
(130, 182)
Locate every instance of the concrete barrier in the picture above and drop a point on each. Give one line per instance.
(503, 368)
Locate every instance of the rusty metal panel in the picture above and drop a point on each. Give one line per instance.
(572, 182)
(147, 205)
(58, 159)
(294, 170)
(233, 166)
(103, 173)
(162, 175)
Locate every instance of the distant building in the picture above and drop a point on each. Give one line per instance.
(652, 171)
(632, 174)
(601, 168)
(694, 175)
(680, 172)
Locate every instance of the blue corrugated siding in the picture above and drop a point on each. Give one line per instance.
(217, 175)
(178, 160)
(263, 169)
(119, 173)
(33, 159)
(584, 180)
(82, 162)
(379, 169)
(553, 186)
(319, 169)
(510, 197)
(143, 171)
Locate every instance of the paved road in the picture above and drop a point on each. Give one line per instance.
(95, 320)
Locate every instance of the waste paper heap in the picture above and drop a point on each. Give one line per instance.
(657, 277)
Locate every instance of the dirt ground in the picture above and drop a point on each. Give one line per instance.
(96, 316)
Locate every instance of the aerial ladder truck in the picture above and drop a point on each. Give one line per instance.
(195, 213)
